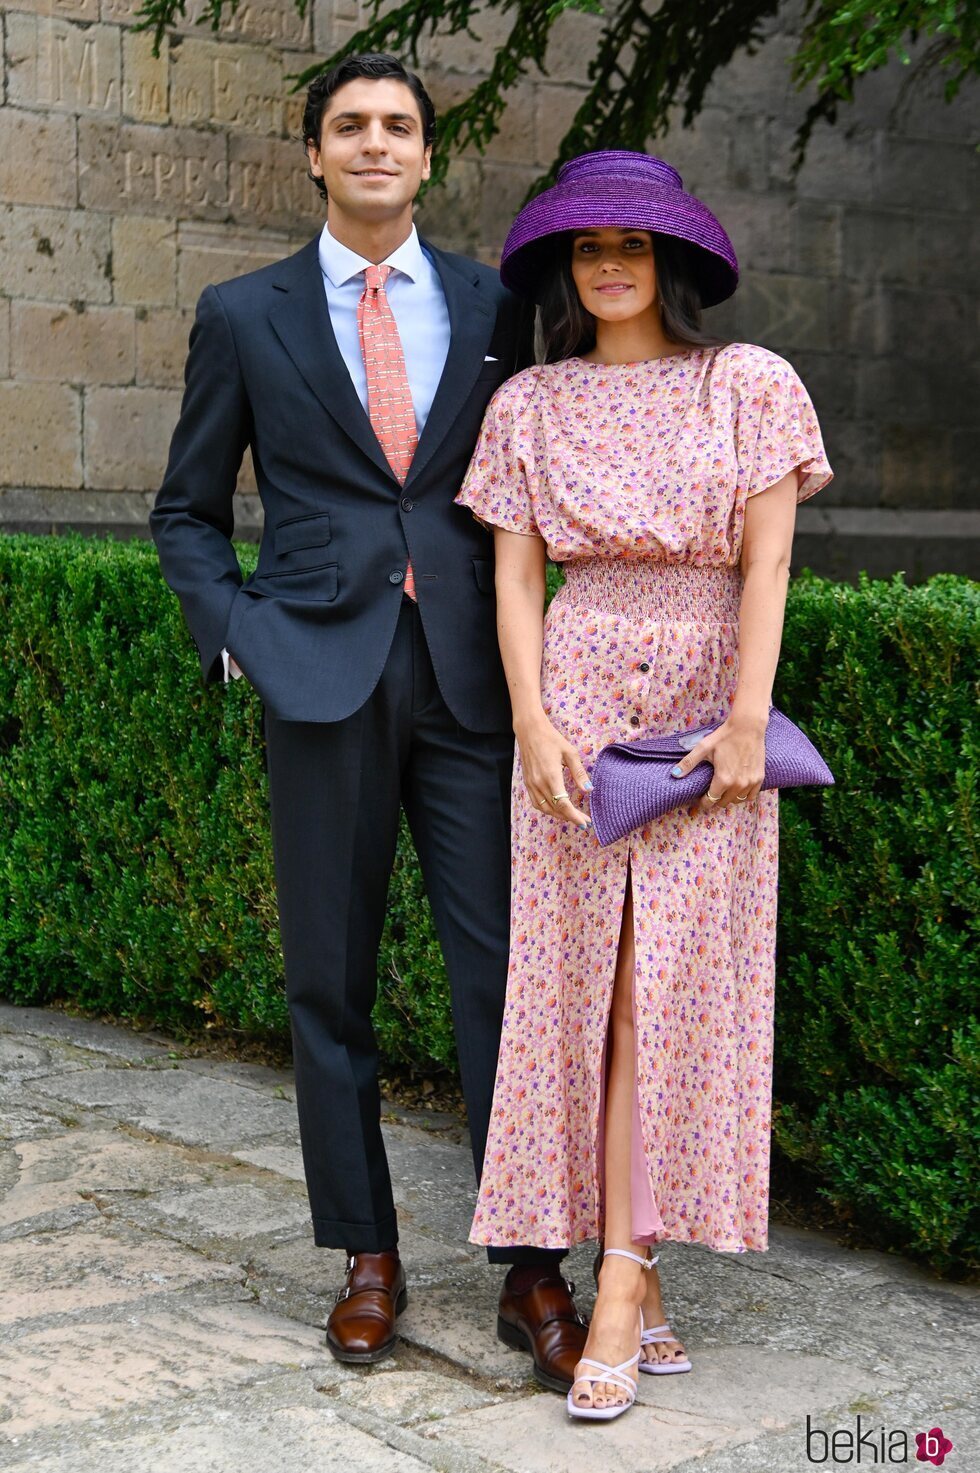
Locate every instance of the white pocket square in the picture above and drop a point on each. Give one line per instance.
(490, 359)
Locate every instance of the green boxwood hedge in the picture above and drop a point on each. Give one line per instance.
(137, 877)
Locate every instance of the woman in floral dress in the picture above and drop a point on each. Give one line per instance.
(662, 470)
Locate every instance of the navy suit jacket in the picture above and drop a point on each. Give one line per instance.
(312, 627)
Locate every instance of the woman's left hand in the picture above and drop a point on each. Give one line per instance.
(737, 752)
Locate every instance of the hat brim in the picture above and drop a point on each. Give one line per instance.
(530, 246)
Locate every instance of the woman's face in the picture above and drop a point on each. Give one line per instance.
(614, 272)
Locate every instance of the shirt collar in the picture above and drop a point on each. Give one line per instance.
(340, 264)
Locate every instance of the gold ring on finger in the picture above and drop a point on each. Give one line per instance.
(744, 798)
(711, 797)
(560, 798)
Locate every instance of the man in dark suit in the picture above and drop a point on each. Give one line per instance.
(368, 629)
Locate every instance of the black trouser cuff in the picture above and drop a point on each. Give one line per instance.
(356, 1237)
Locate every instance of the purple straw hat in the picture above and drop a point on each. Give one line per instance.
(631, 191)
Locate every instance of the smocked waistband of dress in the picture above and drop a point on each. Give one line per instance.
(648, 588)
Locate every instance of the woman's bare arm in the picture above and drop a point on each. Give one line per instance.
(520, 580)
(737, 749)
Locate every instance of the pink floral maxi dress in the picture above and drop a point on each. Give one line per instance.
(636, 476)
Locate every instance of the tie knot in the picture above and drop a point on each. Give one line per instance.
(375, 277)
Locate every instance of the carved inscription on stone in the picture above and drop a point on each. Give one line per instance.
(276, 22)
(268, 184)
(232, 86)
(146, 87)
(248, 91)
(87, 10)
(163, 171)
(186, 172)
(58, 64)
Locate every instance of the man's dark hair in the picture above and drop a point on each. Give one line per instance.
(568, 330)
(375, 66)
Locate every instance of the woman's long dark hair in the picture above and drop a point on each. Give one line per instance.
(568, 330)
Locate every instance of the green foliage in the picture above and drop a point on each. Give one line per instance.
(843, 42)
(880, 908)
(135, 856)
(136, 875)
(650, 58)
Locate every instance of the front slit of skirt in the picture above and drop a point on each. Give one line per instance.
(647, 1223)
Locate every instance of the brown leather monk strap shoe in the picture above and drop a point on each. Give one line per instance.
(361, 1327)
(544, 1321)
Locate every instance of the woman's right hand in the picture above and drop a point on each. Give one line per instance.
(545, 754)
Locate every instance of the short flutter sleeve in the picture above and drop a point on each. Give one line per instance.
(777, 430)
(497, 485)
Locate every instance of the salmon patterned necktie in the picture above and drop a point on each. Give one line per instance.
(390, 407)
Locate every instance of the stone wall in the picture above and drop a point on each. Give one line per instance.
(128, 182)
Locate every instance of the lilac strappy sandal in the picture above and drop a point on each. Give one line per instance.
(659, 1335)
(614, 1374)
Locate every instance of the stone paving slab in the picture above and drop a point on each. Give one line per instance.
(86, 1033)
(537, 1436)
(677, 1418)
(456, 1319)
(60, 1220)
(411, 1398)
(276, 1082)
(24, 1116)
(91, 1368)
(55, 1171)
(21, 1060)
(284, 1160)
(905, 1412)
(85, 1269)
(223, 1216)
(158, 1269)
(288, 1440)
(178, 1105)
(279, 1423)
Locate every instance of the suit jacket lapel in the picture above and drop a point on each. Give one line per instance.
(301, 321)
(471, 324)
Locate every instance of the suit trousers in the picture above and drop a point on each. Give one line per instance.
(337, 789)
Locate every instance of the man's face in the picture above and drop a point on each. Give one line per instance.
(372, 157)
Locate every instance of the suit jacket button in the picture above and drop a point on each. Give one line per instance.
(407, 503)
(396, 577)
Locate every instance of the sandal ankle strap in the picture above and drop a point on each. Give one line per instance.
(623, 1253)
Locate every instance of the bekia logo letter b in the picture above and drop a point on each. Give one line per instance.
(932, 1447)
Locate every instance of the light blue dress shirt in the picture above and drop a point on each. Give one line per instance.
(418, 305)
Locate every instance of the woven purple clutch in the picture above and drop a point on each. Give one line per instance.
(632, 784)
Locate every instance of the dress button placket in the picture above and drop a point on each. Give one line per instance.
(643, 667)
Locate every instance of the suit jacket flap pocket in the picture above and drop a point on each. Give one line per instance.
(299, 532)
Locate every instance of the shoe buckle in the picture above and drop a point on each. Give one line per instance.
(579, 1316)
(344, 1293)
